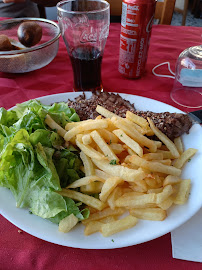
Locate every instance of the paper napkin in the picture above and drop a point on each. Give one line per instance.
(187, 240)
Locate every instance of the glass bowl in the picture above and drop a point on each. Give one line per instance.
(27, 59)
(187, 87)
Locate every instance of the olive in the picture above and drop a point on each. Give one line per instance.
(5, 44)
(29, 33)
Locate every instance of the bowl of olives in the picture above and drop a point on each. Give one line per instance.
(27, 44)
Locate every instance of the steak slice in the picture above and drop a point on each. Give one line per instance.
(171, 124)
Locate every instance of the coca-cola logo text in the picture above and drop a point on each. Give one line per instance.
(81, 20)
(134, 8)
(88, 35)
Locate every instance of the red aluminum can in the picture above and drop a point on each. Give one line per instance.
(136, 23)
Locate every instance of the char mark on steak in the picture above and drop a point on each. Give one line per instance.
(171, 124)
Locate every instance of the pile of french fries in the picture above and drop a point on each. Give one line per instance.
(136, 177)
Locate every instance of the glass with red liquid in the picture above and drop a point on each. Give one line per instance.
(84, 26)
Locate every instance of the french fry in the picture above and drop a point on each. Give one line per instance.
(130, 151)
(109, 186)
(166, 154)
(129, 171)
(142, 184)
(157, 214)
(86, 139)
(71, 125)
(165, 194)
(103, 214)
(93, 187)
(102, 174)
(143, 201)
(106, 113)
(118, 225)
(155, 190)
(108, 219)
(92, 210)
(130, 165)
(166, 204)
(149, 132)
(86, 199)
(115, 194)
(158, 143)
(159, 179)
(179, 145)
(170, 145)
(67, 223)
(117, 148)
(164, 147)
(92, 227)
(128, 141)
(183, 192)
(136, 126)
(137, 188)
(89, 151)
(167, 162)
(151, 156)
(104, 146)
(85, 181)
(137, 119)
(108, 136)
(88, 165)
(151, 182)
(52, 124)
(189, 153)
(98, 124)
(155, 166)
(171, 180)
(111, 126)
(134, 134)
(98, 117)
(130, 194)
(125, 173)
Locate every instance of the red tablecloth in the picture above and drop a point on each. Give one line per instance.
(19, 250)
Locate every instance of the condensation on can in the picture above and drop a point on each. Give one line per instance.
(136, 23)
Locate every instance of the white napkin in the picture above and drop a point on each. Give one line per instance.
(187, 240)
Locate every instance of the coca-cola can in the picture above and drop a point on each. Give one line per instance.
(136, 24)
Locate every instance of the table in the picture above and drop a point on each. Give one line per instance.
(19, 250)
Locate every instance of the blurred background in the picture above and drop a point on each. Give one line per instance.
(186, 12)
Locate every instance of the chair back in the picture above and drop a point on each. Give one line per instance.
(163, 13)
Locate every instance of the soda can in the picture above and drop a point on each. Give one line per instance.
(136, 24)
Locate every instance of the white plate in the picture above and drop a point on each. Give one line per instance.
(144, 230)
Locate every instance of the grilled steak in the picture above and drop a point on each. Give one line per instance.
(171, 124)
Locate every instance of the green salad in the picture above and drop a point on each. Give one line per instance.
(35, 163)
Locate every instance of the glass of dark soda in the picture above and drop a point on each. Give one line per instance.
(84, 26)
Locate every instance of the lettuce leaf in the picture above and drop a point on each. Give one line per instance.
(60, 112)
(71, 208)
(7, 118)
(34, 163)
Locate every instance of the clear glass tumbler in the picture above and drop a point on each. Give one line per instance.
(187, 87)
(84, 26)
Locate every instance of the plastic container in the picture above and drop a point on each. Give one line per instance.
(187, 87)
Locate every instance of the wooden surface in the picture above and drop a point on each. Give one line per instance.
(164, 10)
(115, 7)
(167, 11)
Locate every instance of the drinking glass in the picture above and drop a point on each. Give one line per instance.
(187, 87)
(84, 26)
